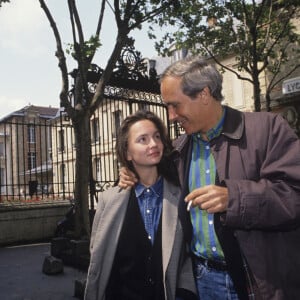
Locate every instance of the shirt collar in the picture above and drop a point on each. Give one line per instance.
(213, 132)
(156, 188)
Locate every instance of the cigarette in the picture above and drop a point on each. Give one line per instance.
(189, 205)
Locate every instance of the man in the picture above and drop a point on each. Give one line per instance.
(241, 174)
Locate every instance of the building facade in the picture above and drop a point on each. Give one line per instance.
(25, 152)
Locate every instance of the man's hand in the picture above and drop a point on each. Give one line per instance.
(127, 178)
(211, 198)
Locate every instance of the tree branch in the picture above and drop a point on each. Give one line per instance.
(100, 20)
(98, 96)
(64, 100)
(227, 68)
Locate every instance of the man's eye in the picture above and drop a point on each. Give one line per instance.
(172, 105)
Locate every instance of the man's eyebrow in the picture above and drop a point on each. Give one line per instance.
(167, 101)
(171, 103)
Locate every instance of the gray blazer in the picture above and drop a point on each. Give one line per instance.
(111, 209)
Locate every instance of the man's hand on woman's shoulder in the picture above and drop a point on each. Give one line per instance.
(127, 178)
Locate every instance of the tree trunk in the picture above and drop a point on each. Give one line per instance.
(268, 101)
(82, 178)
(256, 93)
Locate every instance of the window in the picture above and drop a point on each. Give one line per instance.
(116, 122)
(143, 106)
(237, 89)
(61, 140)
(31, 160)
(31, 133)
(97, 169)
(2, 149)
(116, 169)
(63, 175)
(2, 178)
(3, 187)
(178, 54)
(95, 130)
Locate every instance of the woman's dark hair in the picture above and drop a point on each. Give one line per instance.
(164, 165)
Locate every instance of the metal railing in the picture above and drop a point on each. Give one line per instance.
(37, 159)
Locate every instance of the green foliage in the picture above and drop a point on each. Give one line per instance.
(259, 34)
(4, 1)
(248, 30)
(87, 49)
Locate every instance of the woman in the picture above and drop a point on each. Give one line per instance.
(137, 245)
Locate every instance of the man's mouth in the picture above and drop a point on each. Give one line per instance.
(181, 122)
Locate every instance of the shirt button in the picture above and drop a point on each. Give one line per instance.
(214, 249)
(207, 171)
(210, 222)
(148, 211)
(149, 237)
(206, 147)
(148, 190)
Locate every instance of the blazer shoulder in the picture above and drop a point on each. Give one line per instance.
(113, 194)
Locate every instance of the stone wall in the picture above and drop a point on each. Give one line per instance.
(30, 222)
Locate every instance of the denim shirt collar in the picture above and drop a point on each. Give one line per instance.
(156, 188)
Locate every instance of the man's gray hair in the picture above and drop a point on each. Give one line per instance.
(196, 74)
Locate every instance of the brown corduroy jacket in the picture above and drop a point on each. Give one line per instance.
(258, 159)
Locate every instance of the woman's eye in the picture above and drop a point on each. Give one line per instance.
(142, 140)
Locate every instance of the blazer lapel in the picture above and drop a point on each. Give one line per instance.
(169, 221)
(108, 225)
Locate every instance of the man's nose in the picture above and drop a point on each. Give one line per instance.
(172, 114)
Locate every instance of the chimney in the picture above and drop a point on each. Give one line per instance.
(211, 21)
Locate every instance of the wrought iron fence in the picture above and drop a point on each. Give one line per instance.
(37, 159)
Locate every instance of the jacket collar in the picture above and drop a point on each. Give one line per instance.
(234, 124)
(233, 128)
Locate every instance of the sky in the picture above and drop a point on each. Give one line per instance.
(29, 72)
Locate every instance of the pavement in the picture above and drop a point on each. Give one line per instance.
(21, 276)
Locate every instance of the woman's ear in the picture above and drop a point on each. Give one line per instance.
(128, 156)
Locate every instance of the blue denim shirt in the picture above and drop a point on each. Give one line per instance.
(150, 203)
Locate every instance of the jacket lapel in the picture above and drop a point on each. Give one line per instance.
(169, 221)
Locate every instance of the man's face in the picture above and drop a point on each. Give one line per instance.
(189, 112)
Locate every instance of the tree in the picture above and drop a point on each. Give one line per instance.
(129, 15)
(3, 1)
(258, 33)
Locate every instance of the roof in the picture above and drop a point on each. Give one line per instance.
(45, 112)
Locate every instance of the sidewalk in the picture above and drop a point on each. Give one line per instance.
(21, 276)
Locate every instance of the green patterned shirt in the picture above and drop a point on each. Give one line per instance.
(203, 172)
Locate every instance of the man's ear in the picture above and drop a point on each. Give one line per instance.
(205, 95)
(206, 91)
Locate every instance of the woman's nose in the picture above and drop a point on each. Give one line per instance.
(153, 142)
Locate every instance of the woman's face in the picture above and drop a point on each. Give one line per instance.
(145, 148)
